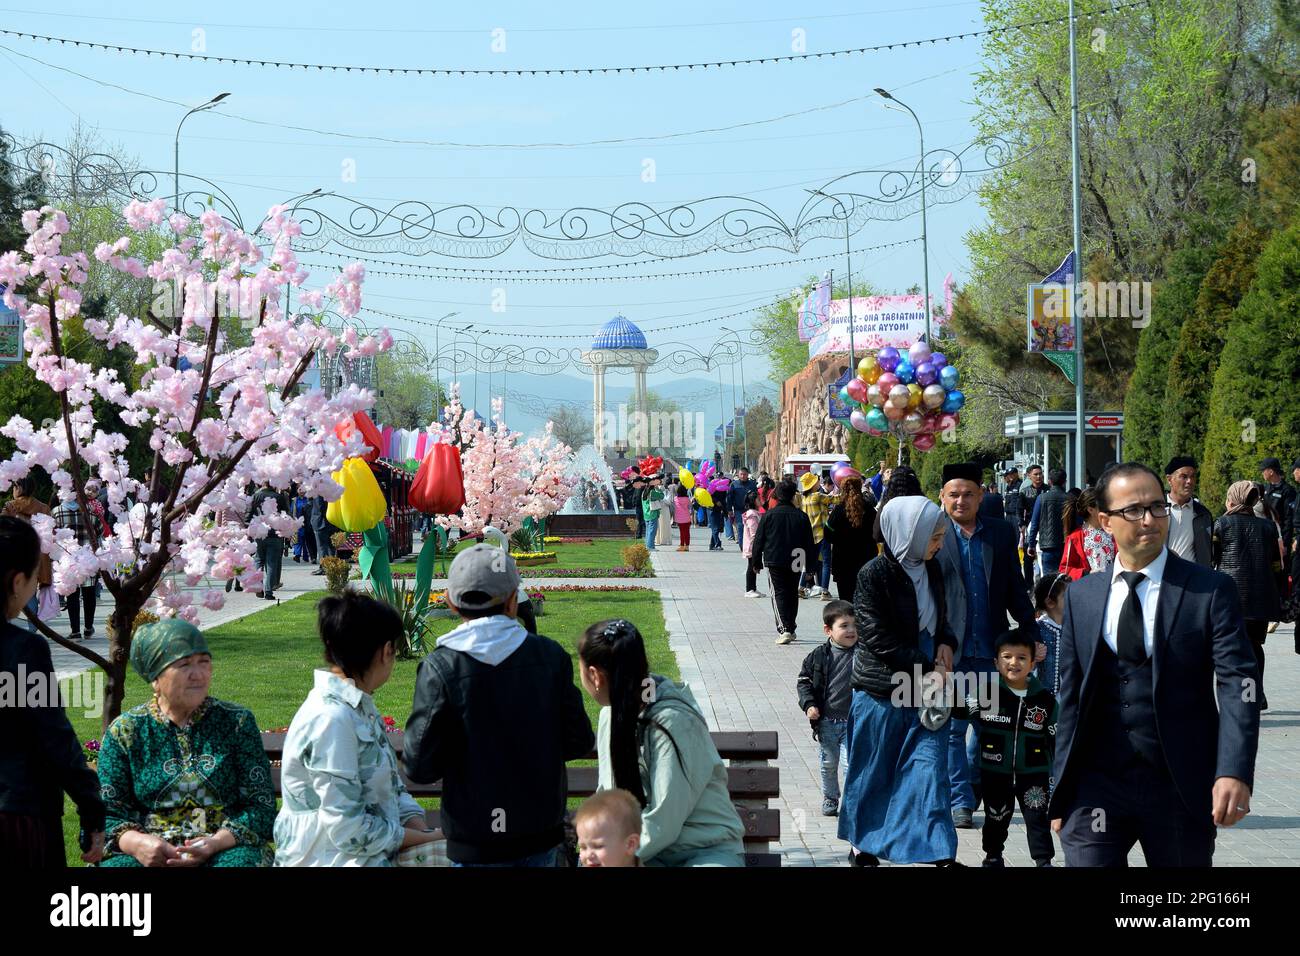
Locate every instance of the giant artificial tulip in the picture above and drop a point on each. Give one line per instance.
(369, 433)
(362, 505)
(439, 484)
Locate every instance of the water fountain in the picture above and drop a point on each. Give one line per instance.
(593, 508)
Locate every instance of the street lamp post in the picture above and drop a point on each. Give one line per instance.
(848, 269)
(437, 350)
(925, 174)
(176, 169)
(1080, 465)
(744, 402)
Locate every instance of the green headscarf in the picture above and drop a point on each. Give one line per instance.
(156, 646)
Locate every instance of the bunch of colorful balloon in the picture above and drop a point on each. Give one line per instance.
(705, 482)
(913, 395)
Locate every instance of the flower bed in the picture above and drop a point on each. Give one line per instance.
(526, 559)
(552, 540)
(619, 572)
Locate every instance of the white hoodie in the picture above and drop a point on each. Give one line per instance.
(488, 639)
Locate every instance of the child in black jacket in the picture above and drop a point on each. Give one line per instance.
(1017, 737)
(825, 693)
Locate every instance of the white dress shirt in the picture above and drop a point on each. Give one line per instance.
(1148, 592)
(1181, 541)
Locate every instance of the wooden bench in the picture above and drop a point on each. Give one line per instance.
(751, 780)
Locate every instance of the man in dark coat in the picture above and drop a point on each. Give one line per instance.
(1027, 495)
(1046, 530)
(1282, 498)
(323, 529)
(1191, 526)
(1159, 724)
(784, 545)
(982, 588)
(741, 487)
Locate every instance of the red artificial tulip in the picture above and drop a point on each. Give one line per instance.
(369, 434)
(439, 485)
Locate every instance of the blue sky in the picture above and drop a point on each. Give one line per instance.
(772, 162)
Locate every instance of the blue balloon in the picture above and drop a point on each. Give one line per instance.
(926, 374)
(938, 360)
(906, 374)
(949, 377)
(954, 401)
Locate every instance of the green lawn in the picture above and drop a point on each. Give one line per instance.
(601, 553)
(265, 661)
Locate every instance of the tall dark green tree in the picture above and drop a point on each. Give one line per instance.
(1253, 411)
(19, 192)
(1201, 340)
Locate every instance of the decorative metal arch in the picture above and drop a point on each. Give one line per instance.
(465, 231)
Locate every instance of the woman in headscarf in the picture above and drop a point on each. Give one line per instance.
(184, 777)
(25, 505)
(896, 804)
(1247, 549)
(902, 482)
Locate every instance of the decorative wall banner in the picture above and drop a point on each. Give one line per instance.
(1049, 311)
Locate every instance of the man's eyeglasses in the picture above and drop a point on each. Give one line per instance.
(1136, 512)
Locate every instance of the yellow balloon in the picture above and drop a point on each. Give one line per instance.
(686, 478)
(872, 373)
(914, 393)
(703, 498)
(362, 505)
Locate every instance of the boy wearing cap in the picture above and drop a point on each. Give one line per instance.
(495, 717)
(1191, 526)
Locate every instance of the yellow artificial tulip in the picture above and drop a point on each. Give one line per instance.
(686, 478)
(914, 393)
(362, 505)
(703, 498)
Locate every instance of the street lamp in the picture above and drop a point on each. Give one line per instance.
(437, 349)
(176, 169)
(744, 402)
(848, 268)
(925, 174)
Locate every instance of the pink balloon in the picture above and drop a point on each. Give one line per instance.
(923, 442)
(857, 389)
(858, 420)
(876, 433)
(886, 381)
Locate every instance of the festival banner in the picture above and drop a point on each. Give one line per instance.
(878, 321)
(812, 313)
(1049, 311)
(837, 410)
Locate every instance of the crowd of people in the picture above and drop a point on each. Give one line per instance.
(1118, 669)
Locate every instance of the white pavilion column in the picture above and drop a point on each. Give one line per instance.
(598, 405)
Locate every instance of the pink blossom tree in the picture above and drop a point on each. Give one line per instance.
(507, 478)
(220, 419)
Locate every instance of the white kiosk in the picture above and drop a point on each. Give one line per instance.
(1047, 439)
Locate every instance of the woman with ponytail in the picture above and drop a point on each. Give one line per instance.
(849, 529)
(40, 756)
(653, 742)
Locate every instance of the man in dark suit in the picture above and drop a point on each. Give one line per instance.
(982, 585)
(1158, 717)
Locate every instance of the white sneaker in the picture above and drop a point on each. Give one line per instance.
(751, 594)
(785, 637)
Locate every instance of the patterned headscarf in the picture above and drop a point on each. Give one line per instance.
(1239, 493)
(157, 646)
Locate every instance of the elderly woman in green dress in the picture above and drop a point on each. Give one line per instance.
(184, 777)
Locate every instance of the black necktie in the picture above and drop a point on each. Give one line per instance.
(1129, 640)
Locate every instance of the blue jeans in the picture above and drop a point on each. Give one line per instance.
(651, 529)
(270, 555)
(715, 530)
(545, 858)
(729, 526)
(1050, 562)
(963, 747)
(740, 533)
(835, 753)
(824, 573)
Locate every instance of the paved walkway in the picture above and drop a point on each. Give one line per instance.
(725, 648)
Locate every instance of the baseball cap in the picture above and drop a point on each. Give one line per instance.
(1296, 463)
(482, 577)
(1268, 463)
